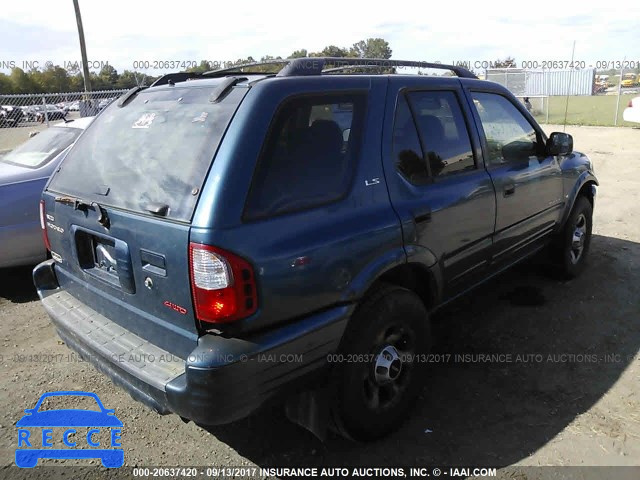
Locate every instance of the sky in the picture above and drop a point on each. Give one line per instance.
(123, 32)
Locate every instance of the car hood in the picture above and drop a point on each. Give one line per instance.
(69, 418)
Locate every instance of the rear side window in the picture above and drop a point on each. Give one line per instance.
(444, 134)
(156, 149)
(407, 151)
(309, 155)
(430, 136)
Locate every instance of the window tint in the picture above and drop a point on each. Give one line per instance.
(510, 137)
(444, 134)
(308, 156)
(155, 149)
(407, 152)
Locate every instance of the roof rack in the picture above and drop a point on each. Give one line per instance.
(311, 66)
(350, 67)
(240, 68)
(316, 65)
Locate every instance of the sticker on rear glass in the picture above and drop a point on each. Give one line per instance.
(144, 121)
(200, 118)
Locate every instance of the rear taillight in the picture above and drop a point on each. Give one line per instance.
(223, 284)
(43, 226)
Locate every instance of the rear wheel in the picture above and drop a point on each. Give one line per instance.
(377, 376)
(572, 246)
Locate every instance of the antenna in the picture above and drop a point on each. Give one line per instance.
(566, 107)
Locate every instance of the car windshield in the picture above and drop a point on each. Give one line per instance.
(41, 149)
(156, 149)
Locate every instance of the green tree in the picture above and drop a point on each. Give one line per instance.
(76, 82)
(108, 77)
(371, 48)
(23, 82)
(128, 79)
(54, 79)
(299, 53)
(205, 66)
(331, 51)
(6, 85)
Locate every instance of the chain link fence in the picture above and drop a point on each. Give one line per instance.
(585, 97)
(20, 115)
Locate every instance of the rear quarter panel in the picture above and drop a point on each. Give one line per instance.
(345, 243)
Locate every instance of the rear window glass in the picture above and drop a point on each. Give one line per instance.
(42, 148)
(156, 149)
(309, 156)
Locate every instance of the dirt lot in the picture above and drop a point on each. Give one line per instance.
(577, 403)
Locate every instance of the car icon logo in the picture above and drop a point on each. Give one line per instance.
(39, 426)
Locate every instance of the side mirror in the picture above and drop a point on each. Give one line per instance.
(559, 144)
(33, 134)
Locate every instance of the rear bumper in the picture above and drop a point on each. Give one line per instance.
(222, 380)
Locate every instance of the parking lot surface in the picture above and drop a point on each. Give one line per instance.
(530, 371)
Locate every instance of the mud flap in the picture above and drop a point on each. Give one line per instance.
(311, 410)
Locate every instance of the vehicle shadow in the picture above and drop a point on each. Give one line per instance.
(562, 345)
(16, 284)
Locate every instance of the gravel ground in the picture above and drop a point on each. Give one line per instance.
(569, 395)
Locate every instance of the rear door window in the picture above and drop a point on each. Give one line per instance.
(430, 137)
(309, 155)
(407, 150)
(441, 125)
(156, 149)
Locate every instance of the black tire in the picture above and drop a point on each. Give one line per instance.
(365, 409)
(569, 257)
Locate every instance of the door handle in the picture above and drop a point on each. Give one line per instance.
(509, 189)
(153, 262)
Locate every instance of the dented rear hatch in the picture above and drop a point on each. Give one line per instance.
(118, 211)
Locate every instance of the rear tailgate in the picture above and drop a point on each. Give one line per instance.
(135, 273)
(118, 211)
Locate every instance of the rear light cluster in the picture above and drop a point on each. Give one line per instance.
(43, 226)
(223, 284)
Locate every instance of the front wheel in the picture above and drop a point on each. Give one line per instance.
(572, 246)
(380, 370)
